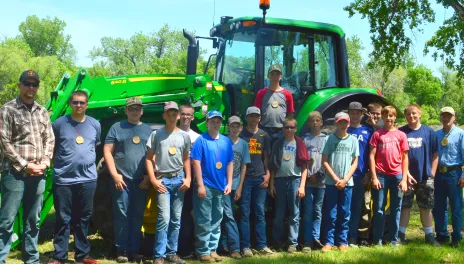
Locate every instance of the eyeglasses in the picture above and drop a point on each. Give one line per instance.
(29, 84)
(289, 127)
(79, 103)
(186, 114)
(134, 109)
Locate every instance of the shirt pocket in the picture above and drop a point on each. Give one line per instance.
(22, 127)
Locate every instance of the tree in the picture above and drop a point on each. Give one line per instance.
(389, 20)
(46, 37)
(423, 86)
(355, 61)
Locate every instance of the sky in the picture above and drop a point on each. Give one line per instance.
(88, 21)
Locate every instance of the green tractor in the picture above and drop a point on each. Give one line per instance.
(315, 69)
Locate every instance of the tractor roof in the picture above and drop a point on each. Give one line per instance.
(283, 22)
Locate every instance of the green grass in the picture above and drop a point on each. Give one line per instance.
(414, 252)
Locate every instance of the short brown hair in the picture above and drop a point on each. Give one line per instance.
(79, 93)
(289, 119)
(412, 106)
(388, 109)
(314, 114)
(373, 106)
(186, 106)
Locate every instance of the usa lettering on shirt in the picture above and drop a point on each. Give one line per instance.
(388, 142)
(415, 142)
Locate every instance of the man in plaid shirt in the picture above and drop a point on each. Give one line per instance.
(26, 148)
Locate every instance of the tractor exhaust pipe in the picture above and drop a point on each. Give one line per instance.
(192, 53)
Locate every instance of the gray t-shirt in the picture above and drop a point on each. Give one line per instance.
(315, 145)
(340, 153)
(274, 109)
(129, 156)
(288, 166)
(169, 149)
(75, 163)
(241, 156)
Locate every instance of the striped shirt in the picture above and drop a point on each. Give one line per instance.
(26, 136)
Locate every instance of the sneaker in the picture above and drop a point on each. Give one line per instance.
(122, 259)
(134, 257)
(364, 242)
(159, 261)
(353, 242)
(343, 248)
(395, 244)
(207, 258)
(306, 249)
(455, 243)
(318, 244)
(87, 260)
(402, 238)
(265, 251)
(443, 240)
(174, 259)
(378, 244)
(326, 248)
(291, 250)
(236, 255)
(216, 257)
(247, 253)
(430, 239)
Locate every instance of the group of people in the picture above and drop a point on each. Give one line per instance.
(326, 180)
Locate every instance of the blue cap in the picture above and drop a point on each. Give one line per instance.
(214, 113)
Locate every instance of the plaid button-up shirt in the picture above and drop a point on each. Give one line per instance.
(26, 136)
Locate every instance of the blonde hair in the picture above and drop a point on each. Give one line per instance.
(289, 119)
(412, 106)
(388, 110)
(314, 114)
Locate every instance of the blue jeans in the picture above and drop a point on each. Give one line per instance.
(447, 188)
(255, 197)
(208, 216)
(285, 199)
(128, 207)
(337, 209)
(229, 237)
(14, 189)
(380, 200)
(312, 214)
(357, 201)
(73, 206)
(169, 213)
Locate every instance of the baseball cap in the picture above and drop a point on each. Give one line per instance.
(170, 105)
(447, 109)
(253, 110)
(342, 116)
(234, 119)
(275, 67)
(355, 106)
(133, 101)
(29, 74)
(214, 113)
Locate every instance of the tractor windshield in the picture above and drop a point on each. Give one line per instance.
(291, 49)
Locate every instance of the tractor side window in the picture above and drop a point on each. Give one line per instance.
(325, 64)
(239, 66)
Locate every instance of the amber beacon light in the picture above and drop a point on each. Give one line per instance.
(264, 4)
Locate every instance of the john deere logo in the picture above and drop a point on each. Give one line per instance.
(30, 73)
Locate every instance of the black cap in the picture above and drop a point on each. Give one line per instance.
(29, 74)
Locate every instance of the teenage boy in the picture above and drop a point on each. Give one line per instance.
(360, 178)
(230, 238)
(168, 167)
(450, 178)
(74, 178)
(275, 103)
(315, 184)
(124, 152)
(389, 168)
(289, 158)
(212, 159)
(423, 162)
(340, 160)
(255, 185)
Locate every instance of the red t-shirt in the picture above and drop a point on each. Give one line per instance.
(288, 98)
(390, 145)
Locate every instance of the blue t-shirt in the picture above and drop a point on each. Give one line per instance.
(453, 153)
(241, 156)
(75, 163)
(129, 157)
(363, 134)
(422, 142)
(209, 152)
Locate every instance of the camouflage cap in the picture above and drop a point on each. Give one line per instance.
(234, 119)
(275, 67)
(171, 105)
(133, 101)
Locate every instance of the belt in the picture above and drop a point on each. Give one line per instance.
(160, 175)
(444, 169)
